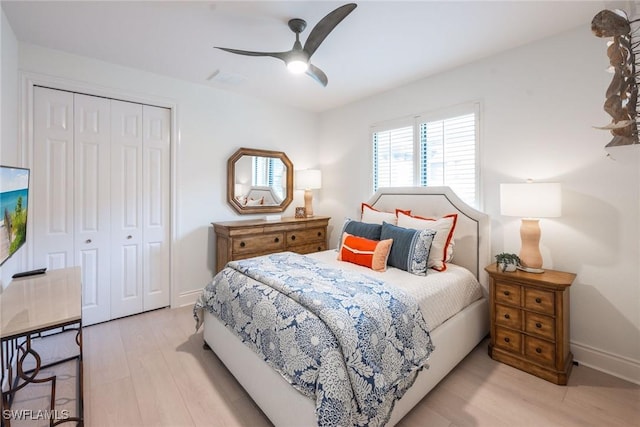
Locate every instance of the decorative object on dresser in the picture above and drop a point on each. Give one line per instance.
(300, 213)
(245, 239)
(530, 201)
(530, 322)
(259, 181)
(307, 180)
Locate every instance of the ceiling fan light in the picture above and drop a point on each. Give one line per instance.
(297, 66)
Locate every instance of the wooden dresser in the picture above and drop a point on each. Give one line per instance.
(245, 239)
(530, 322)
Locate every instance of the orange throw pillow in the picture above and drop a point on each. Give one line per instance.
(368, 253)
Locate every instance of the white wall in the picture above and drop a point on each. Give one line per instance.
(212, 125)
(9, 125)
(539, 104)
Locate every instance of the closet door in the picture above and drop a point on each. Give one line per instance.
(92, 240)
(155, 206)
(126, 209)
(52, 175)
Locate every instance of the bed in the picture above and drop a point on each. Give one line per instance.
(453, 336)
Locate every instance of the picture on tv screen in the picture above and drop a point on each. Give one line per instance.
(14, 195)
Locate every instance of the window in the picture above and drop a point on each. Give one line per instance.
(268, 172)
(429, 150)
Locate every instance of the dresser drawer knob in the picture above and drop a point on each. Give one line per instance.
(506, 339)
(507, 293)
(506, 316)
(538, 325)
(319, 233)
(276, 240)
(242, 244)
(319, 248)
(538, 350)
(538, 300)
(293, 237)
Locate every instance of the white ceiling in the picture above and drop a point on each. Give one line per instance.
(379, 46)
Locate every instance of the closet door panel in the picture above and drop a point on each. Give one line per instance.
(92, 142)
(156, 220)
(52, 177)
(126, 208)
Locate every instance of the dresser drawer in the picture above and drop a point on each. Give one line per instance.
(541, 325)
(543, 352)
(309, 248)
(266, 243)
(508, 316)
(508, 339)
(507, 293)
(302, 237)
(540, 301)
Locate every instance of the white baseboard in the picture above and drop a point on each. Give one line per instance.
(619, 366)
(186, 298)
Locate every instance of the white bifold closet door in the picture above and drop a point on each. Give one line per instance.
(101, 199)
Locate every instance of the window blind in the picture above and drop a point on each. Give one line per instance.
(429, 152)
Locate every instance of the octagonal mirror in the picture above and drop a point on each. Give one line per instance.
(259, 181)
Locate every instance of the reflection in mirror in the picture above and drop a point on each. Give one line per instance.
(259, 181)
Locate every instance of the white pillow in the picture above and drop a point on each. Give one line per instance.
(374, 216)
(442, 246)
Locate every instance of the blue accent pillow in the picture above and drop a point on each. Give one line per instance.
(360, 229)
(410, 249)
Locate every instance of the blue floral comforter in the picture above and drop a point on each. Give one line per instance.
(349, 341)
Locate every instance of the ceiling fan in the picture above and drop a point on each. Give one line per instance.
(297, 59)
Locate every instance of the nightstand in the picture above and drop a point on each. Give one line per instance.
(530, 322)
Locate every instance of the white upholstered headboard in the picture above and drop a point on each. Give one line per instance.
(472, 234)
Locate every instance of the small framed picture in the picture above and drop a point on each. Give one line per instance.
(300, 212)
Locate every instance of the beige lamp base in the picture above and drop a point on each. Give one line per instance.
(530, 255)
(308, 205)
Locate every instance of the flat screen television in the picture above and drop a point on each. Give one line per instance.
(14, 198)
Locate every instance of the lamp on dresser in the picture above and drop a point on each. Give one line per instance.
(308, 180)
(530, 201)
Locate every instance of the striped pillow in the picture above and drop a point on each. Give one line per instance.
(368, 253)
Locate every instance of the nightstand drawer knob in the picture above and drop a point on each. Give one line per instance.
(506, 316)
(538, 350)
(319, 248)
(276, 240)
(506, 339)
(319, 233)
(538, 325)
(242, 244)
(507, 293)
(538, 300)
(293, 237)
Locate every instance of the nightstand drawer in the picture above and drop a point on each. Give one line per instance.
(540, 325)
(508, 316)
(259, 243)
(543, 352)
(508, 340)
(540, 301)
(507, 293)
(301, 237)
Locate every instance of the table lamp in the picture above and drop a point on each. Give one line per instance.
(530, 201)
(307, 180)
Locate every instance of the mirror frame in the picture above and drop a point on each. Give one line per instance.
(231, 173)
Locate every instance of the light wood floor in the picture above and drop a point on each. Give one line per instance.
(151, 370)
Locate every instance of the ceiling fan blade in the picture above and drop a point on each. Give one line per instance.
(317, 74)
(325, 26)
(279, 55)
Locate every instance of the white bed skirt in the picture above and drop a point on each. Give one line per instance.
(286, 407)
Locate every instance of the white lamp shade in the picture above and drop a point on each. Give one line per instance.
(531, 200)
(308, 179)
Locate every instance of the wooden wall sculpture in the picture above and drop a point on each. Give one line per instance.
(622, 94)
